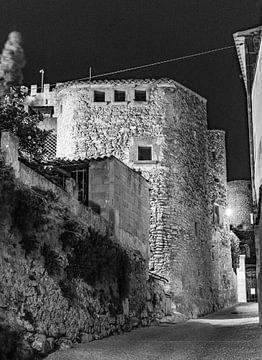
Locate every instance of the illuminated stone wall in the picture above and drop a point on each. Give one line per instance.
(184, 171)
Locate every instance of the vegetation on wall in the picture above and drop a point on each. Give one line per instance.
(90, 256)
(13, 118)
(67, 278)
(12, 60)
(29, 208)
(95, 258)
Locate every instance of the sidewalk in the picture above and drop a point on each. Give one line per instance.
(233, 333)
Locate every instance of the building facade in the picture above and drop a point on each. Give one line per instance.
(159, 128)
(239, 200)
(248, 46)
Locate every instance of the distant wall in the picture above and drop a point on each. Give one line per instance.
(239, 199)
(222, 240)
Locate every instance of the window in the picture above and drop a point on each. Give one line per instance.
(99, 96)
(144, 153)
(140, 95)
(196, 228)
(218, 214)
(212, 255)
(120, 95)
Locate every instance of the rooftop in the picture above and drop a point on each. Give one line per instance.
(248, 43)
(163, 82)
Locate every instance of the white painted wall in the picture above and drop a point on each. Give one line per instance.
(257, 122)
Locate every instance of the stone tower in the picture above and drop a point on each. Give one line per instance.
(159, 128)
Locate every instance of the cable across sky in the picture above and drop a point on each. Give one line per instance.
(153, 64)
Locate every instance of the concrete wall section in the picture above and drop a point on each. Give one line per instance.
(123, 197)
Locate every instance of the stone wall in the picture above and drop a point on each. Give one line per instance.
(222, 239)
(63, 278)
(121, 194)
(172, 123)
(241, 208)
(240, 202)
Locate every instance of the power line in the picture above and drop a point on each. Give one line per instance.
(154, 63)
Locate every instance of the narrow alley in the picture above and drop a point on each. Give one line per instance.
(233, 333)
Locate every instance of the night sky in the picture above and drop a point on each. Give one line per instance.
(65, 37)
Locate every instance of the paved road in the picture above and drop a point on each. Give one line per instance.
(233, 333)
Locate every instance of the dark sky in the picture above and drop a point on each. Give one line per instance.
(65, 37)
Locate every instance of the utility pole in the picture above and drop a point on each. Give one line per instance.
(90, 73)
(42, 72)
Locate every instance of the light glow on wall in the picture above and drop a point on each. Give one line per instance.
(228, 212)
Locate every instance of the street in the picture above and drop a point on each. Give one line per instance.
(233, 333)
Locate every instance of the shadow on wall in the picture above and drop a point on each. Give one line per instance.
(12, 344)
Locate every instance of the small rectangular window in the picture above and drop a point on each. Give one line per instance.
(144, 153)
(99, 96)
(196, 228)
(120, 95)
(218, 214)
(216, 219)
(140, 95)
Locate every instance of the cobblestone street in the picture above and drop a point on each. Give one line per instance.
(233, 333)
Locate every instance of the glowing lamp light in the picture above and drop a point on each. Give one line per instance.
(228, 212)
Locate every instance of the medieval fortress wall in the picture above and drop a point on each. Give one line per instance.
(159, 127)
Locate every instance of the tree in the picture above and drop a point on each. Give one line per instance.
(14, 119)
(12, 61)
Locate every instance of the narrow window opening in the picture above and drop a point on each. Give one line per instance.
(140, 95)
(196, 228)
(144, 153)
(120, 95)
(218, 214)
(99, 96)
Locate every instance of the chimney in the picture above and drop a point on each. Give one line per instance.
(33, 90)
(46, 88)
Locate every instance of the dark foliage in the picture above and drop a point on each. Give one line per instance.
(95, 258)
(13, 118)
(12, 60)
(27, 215)
(51, 258)
(12, 345)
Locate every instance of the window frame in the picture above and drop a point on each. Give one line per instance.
(141, 91)
(119, 91)
(96, 92)
(145, 147)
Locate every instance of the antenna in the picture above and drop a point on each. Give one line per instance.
(90, 73)
(42, 72)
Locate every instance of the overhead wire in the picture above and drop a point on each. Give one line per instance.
(152, 64)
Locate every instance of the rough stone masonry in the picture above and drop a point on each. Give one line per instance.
(159, 127)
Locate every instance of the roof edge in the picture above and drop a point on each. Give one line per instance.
(164, 82)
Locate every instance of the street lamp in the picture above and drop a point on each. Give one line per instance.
(228, 212)
(42, 72)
